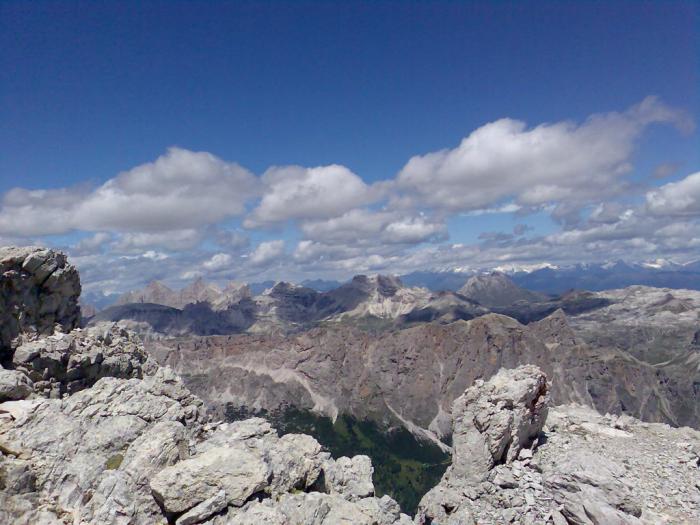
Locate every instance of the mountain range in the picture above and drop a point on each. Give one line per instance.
(547, 279)
(377, 349)
(203, 309)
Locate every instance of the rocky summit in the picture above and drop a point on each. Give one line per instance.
(94, 431)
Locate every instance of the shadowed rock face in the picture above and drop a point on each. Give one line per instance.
(411, 377)
(38, 290)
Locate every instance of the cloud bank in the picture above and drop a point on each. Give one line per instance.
(191, 213)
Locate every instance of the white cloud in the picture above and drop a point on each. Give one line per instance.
(365, 226)
(93, 243)
(550, 163)
(680, 198)
(181, 189)
(171, 219)
(294, 192)
(39, 212)
(176, 240)
(154, 255)
(218, 261)
(413, 230)
(266, 252)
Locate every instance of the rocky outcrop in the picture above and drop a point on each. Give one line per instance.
(39, 290)
(14, 385)
(89, 455)
(579, 468)
(142, 451)
(68, 362)
(494, 421)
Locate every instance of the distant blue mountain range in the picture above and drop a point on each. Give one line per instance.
(593, 277)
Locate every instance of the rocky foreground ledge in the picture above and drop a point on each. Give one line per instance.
(516, 461)
(92, 431)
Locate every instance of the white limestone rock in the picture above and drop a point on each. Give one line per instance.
(14, 385)
(349, 477)
(237, 470)
(494, 420)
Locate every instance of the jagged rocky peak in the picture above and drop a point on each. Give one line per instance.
(236, 287)
(496, 289)
(198, 291)
(39, 292)
(155, 292)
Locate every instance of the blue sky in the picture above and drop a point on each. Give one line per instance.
(89, 90)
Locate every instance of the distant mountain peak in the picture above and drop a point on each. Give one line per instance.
(384, 285)
(496, 289)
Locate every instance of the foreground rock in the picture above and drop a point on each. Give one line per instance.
(94, 432)
(580, 468)
(141, 451)
(38, 290)
(68, 362)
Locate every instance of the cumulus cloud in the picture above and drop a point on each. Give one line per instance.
(39, 212)
(550, 163)
(363, 225)
(178, 216)
(179, 190)
(92, 243)
(174, 240)
(681, 198)
(294, 192)
(266, 252)
(218, 261)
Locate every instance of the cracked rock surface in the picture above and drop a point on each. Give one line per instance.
(38, 290)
